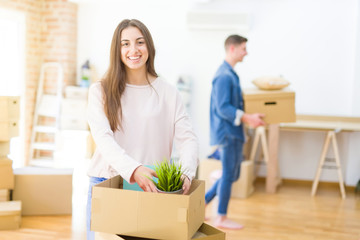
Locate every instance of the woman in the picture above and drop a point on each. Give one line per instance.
(135, 116)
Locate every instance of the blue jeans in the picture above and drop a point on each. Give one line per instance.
(231, 158)
(90, 235)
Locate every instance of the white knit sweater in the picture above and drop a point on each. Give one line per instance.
(153, 118)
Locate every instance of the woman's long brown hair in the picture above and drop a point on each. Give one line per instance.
(114, 82)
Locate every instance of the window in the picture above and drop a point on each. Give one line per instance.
(12, 66)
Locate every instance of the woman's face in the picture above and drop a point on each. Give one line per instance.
(134, 52)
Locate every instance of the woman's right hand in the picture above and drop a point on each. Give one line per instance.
(142, 176)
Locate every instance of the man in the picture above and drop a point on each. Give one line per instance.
(226, 122)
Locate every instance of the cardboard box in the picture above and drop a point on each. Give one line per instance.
(244, 186)
(4, 195)
(6, 174)
(205, 232)
(68, 122)
(8, 130)
(277, 105)
(44, 191)
(75, 92)
(74, 107)
(10, 108)
(144, 214)
(10, 215)
(4, 148)
(210, 170)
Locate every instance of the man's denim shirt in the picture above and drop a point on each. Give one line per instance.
(226, 98)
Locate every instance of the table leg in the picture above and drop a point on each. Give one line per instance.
(272, 178)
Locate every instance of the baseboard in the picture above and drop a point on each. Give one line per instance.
(307, 183)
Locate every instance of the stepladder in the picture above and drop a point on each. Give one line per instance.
(46, 120)
(323, 163)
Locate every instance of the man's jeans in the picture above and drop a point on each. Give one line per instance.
(231, 158)
(90, 235)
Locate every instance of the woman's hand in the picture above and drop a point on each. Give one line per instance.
(186, 184)
(142, 176)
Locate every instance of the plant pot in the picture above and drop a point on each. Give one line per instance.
(180, 191)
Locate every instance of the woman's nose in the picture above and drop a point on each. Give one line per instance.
(133, 48)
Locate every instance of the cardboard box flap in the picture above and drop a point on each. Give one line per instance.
(205, 232)
(254, 94)
(10, 208)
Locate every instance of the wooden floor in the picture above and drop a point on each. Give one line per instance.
(289, 214)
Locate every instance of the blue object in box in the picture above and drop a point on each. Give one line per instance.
(135, 186)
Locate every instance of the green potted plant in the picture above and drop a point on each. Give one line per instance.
(169, 177)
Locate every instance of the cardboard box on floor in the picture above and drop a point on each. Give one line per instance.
(9, 129)
(4, 149)
(205, 232)
(4, 195)
(10, 215)
(44, 191)
(277, 105)
(145, 214)
(6, 174)
(242, 188)
(10, 108)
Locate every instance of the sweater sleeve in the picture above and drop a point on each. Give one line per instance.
(185, 140)
(103, 136)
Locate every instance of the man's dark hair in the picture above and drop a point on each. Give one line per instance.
(234, 40)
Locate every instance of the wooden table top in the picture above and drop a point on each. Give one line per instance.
(322, 123)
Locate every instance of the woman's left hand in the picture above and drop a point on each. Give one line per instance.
(186, 184)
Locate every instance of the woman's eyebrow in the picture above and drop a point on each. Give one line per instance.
(124, 40)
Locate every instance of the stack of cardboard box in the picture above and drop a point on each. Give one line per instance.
(10, 211)
(128, 214)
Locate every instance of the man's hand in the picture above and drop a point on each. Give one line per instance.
(253, 120)
(141, 176)
(186, 184)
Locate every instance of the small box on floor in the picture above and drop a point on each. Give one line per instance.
(205, 232)
(44, 191)
(144, 214)
(6, 174)
(210, 170)
(10, 215)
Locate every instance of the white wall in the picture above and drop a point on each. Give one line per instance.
(311, 43)
(356, 95)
